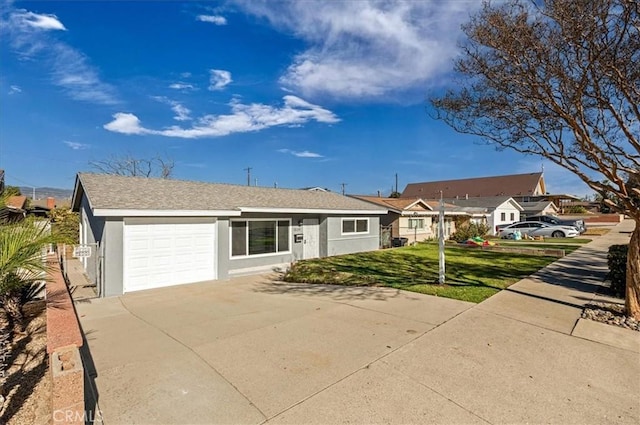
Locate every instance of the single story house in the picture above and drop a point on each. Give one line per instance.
(415, 219)
(14, 209)
(537, 208)
(148, 233)
(497, 209)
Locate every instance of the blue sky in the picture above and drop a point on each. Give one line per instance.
(306, 93)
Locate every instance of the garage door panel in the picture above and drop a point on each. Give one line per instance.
(159, 255)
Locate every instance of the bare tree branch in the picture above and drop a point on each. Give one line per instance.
(128, 165)
(559, 79)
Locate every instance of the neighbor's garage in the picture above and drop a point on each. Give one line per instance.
(167, 251)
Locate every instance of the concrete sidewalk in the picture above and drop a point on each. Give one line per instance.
(254, 351)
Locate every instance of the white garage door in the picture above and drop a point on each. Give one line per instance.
(158, 254)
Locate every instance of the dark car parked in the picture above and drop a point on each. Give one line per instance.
(549, 219)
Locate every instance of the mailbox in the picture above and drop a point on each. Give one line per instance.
(297, 238)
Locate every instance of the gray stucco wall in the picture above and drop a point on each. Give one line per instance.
(233, 266)
(112, 261)
(105, 266)
(109, 233)
(338, 243)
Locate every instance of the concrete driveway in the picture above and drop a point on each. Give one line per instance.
(251, 350)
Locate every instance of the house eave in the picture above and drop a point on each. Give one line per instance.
(108, 212)
(311, 211)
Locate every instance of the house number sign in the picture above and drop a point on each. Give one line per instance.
(82, 251)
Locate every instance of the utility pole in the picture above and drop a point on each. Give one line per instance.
(441, 260)
(343, 185)
(248, 170)
(396, 182)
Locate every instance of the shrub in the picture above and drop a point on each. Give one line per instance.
(575, 209)
(617, 261)
(469, 231)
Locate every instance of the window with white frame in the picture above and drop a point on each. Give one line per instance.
(257, 237)
(416, 223)
(513, 216)
(503, 216)
(355, 225)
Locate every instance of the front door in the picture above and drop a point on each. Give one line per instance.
(311, 238)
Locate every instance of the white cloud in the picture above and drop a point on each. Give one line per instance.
(14, 89)
(213, 19)
(126, 123)
(182, 112)
(76, 146)
(303, 154)
(69, 68)
(368, 48)
(219, 79)
(37, 21)
(242, 119)
(181, 86)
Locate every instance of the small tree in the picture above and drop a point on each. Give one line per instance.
(559, 79)
(11, 191)
(127, 165)
(65, 225)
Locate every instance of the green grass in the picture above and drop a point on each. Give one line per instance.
(568, 248)
(472, 274)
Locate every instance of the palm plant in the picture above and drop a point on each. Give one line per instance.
(21, 265)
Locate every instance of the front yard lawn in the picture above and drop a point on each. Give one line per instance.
(471, 274)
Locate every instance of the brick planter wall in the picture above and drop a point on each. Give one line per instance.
(64, 339)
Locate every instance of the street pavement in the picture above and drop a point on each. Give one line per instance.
(253, 350)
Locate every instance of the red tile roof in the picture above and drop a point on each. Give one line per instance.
(511, 185)
(16, 201)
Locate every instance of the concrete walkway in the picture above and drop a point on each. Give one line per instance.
(253, 351)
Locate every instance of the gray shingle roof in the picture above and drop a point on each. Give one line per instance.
(138, 193)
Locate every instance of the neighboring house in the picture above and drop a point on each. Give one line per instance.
(518, 186)
(14, 209)
(42, 207)
(414, 219)
(537, 208)
(497, 209)
(151, 233)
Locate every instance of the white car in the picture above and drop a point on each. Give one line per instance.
(536, 228)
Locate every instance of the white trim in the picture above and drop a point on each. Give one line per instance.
(417, 201)
(106, 212)
(267, 254)
(258, 269)
(309, 211)
(355, 226)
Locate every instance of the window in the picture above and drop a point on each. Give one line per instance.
(416, 223)
(255, 237)
(355, 225)
(513, 216)
(503, 216)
